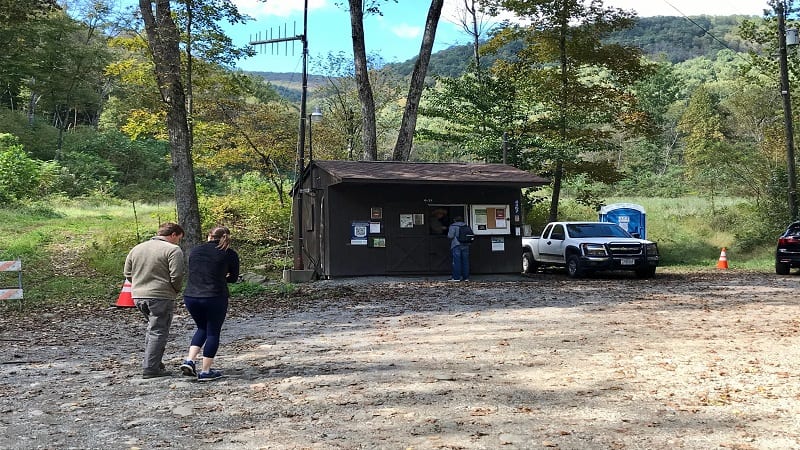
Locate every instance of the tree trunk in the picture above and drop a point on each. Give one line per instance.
(189, 73)
(163, 39)
(476, 34)
(405, 138)
(370, 134)
(34, 99)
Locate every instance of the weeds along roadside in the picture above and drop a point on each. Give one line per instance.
(73, 252)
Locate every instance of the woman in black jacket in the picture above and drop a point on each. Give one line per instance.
(212, 266)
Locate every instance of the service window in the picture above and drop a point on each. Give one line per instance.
(490, 220)
(441, 216)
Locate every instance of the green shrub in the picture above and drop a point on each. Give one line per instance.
(38, 138)
(111, 162)
(253, 211)
(259, 222)
(21, 173)
(668, 185)
(245, 289)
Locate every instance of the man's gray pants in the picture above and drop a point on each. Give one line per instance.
(158, 312)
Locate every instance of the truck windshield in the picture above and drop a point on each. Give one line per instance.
(589, 230)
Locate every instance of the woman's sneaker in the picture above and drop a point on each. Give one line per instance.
(211, 375)
(189, 369)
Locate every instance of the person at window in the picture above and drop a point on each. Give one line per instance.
(459, 252)
(439, 221)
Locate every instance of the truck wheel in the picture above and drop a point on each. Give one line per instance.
(529, 264)
(574, 266)
(782, 268)
(646, 272)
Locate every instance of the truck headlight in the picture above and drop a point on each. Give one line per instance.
(651, 249)
(594, 250)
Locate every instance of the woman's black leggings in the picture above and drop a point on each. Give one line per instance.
(209, 314)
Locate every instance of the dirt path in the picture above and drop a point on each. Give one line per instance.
(699, 361)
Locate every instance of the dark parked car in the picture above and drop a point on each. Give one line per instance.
(787, 255)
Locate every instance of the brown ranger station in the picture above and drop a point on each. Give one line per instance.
(370, 218)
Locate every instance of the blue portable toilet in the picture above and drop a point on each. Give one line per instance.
(629, 216)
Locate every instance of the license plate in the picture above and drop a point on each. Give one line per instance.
(628, 262)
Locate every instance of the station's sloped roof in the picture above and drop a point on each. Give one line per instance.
(392, 172)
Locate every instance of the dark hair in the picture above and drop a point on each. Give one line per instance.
(166, 229)
(459, 218)
(221, 234)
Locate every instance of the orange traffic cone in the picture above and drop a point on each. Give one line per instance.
(723, 260)
(125, 299)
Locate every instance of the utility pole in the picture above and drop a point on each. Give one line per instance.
(787, 110)
(297, 217)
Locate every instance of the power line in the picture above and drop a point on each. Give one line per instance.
(724, 44)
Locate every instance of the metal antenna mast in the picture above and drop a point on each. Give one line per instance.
(297, 236)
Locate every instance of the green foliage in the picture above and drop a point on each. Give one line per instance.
(257, 290)
(671, 184)
(19, 33)
(473, 114)
(760, 223)
(537, 209)
(37, 137)
(702, 125)
(21, 174)
(676, 39)
(108, 161)
(66, 83)
(259, 220)
(245, 289)
(209, 41)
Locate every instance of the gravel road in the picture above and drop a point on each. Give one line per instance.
(696, 360)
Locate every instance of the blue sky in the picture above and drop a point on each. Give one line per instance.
(396, 36)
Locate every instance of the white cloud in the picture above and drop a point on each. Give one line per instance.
(276, 8)
(406, 31)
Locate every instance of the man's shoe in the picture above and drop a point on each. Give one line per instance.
(211, 375)
(453, 279)
(155, 374)
(189, 369)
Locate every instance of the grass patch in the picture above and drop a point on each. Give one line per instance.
(691, 232)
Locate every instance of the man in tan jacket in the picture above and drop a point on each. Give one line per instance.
(156, 269)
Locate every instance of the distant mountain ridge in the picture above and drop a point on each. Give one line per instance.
(675, 39)
(289, 84)
(672, 38)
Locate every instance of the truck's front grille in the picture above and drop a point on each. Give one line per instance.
(622, 249)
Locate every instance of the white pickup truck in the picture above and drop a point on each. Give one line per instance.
(584, 247)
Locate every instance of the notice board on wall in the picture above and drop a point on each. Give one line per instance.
(490, 219)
